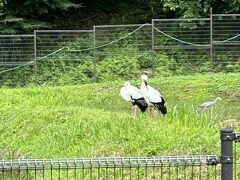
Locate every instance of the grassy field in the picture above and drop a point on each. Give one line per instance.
(92, 120)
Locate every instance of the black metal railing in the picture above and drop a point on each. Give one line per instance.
(169, 167)
(157, 167)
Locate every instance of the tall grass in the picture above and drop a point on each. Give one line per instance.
(92, 120)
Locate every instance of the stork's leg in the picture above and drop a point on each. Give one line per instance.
(149, 114)
(134, 111)
(155, 114)
(151, 111)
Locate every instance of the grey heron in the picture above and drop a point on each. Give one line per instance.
(152, 96)
(208, 104)
(134, 95)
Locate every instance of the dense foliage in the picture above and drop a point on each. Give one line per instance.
(24, 16)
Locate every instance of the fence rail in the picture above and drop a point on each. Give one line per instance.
(156, 167)
(108, 162)
(111, 168)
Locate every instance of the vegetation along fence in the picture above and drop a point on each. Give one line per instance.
(166, 47)
(225, 167)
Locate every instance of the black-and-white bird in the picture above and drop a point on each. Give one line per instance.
(152, 96)
(135, 96)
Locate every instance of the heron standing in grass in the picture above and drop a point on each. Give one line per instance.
(208, 104)
(135, 96)
(153, 97)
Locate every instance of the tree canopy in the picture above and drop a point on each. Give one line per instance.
(26, 15)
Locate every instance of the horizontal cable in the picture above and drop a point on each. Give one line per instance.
(62, 31)
(122, 25)
(226, 40)
(179, 40)
(193, 19)
(181, 46)
(92, 48)
(225, 14)
(22, 65)
(23, 35)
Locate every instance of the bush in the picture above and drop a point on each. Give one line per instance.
(165, 64)
(116, 67)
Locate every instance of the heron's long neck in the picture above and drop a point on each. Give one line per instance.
(215, 100)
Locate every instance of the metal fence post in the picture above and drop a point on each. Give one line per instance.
(94, 55)
(35, 57)
(211, 40)
(154, 64)
(227, 138)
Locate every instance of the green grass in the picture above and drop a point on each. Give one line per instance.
(92, 120)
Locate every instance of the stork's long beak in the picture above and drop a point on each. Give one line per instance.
(145, 82)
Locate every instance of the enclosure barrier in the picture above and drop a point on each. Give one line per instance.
(169, 46)
(156, 167)
(169, 167)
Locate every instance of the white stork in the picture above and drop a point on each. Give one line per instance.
(152, 96)
(134, 95)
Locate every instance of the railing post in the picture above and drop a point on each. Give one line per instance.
(227, 138)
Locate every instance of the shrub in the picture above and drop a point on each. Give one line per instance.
(115, 67)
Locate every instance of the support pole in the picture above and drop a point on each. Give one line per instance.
(35, 57)
(227, 138)
(154, 64)
(211, 41)
(94, 55)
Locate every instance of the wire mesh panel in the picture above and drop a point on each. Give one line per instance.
(192, 167)
(16, 59)
(182, 46)
(226, 42)
(122, 50)
(64, 56)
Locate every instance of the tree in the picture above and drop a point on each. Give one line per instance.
(200, 8)
(21, 17)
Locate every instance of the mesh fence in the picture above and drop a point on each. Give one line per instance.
(166, 47)
(123, 50)
(119, 39)
(171, 167)
(226, 42)
(182, 45)
(16, 50)
(64, 56)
